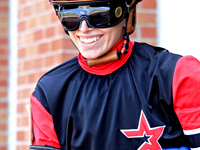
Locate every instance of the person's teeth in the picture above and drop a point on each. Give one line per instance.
(89, 40)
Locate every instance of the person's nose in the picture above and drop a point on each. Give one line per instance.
(84, 27)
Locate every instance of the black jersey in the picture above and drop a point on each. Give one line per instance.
(131, 108)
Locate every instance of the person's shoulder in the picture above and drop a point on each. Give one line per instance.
(147, 48)
(159, 60)
(64, 69)
(160, 53)
(188, 66)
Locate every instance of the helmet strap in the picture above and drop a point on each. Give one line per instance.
(111, 56)
(130, 7)
(125, 46)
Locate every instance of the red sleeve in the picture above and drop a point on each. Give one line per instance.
(186, 94)
(43, 127)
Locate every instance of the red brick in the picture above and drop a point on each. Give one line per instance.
(64, 57)
(21, 108)
(3, 72)
(3, 0)
(50, 61)
(146, 18)
(3, 138)
(3, 51)
(48, 6)
(19, 94)
(20, 66)
(42, 73)
(50, 32)
(27, 38)
(33, 23)
(68, 44)
(21, 1)
(3, 127)
(20, 39)
(22, 121)
(3, 30)
(3, 83)
(32, 78)
(57, 44)
(20, 13)
(38, 35)
(3, 41)
(3, 20)
(3, 116)
(43, 48)
(3, 62)
(45, 19)
(22, 53)
(27, 11)
(26, 93)
(60, 30)
(22, 147)
(149, 4)
(149, 32)
(38, 63)
(22, 26)
(21, 80)
(3, 105)
(40, 7)
(22, 136)
(3, 147)
(4, 8)
(27, 65)
(54, 17)
(3, 93)
(60, 58)
(33, 50)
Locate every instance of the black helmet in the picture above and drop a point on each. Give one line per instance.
(120, 5)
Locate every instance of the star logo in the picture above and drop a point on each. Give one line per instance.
(151, 135)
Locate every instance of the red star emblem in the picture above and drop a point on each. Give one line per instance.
(144, 130)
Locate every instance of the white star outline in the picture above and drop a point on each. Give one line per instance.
(144, 132)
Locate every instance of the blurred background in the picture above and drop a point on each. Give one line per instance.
(32, 41)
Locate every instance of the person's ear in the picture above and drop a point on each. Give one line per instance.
(124, 22)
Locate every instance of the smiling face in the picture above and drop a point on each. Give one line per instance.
(94, 42)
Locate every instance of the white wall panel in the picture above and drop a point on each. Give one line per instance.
(179, 26)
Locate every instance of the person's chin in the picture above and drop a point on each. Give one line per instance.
(91, 55)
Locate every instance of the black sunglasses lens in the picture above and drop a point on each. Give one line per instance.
(100, 19)
(70, 22)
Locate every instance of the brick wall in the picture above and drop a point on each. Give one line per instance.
(146, 27)
(3, 73)
(42, 44)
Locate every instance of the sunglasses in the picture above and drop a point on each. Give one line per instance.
(96, 15)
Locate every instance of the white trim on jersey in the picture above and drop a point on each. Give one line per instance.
(198, 148)
(191, 132)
